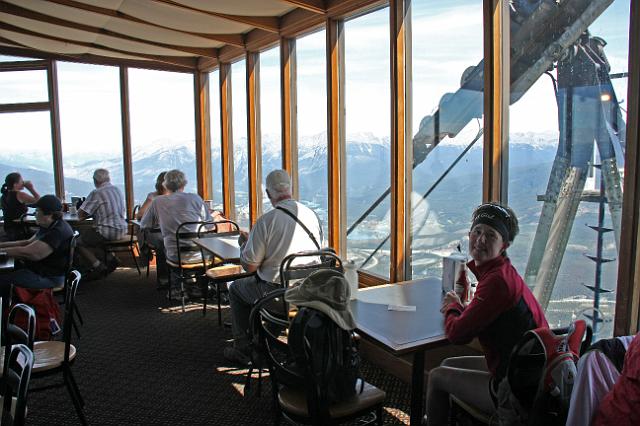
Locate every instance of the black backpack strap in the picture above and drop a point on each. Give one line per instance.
(294, 217)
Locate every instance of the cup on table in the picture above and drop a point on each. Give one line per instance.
(73, 209)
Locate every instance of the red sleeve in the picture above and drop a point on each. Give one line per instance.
(491, 299)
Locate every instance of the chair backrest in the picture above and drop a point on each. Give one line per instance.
(135, 211)
(73, 281)
(289, 272)
(266, 331)
(226, 227)
(16, 384)
(72, 251)
(22, 331)
(186, 233)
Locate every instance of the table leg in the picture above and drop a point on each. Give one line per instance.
(417, 388)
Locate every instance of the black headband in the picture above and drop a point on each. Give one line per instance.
(496, 217)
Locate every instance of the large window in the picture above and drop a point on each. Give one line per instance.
(367, 131)
(23, 86)
(214, 121)
(270, 116)
(26, 148)
(447, 121)
(311, 86)
(90, 125)
(240, 158)
(162, 128)
(571, 119)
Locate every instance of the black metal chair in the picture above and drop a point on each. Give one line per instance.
(192, 262)
(126, 244)
(18, 368)
(62, 291)
(56, 357)
(296, 391)
(20, 331)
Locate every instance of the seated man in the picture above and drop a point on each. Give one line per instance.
(274, 236)
(41, 260)
(172, 209)
(106, 205)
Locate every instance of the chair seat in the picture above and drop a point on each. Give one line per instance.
(474, 412)
(224, 271)
(197, 265)
(294, 401)
(49, 355)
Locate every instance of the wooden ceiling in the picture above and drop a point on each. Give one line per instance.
(181, 35)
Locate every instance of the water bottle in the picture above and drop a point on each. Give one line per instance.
(351, 274)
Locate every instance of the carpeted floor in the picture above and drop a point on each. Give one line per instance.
(140, 363)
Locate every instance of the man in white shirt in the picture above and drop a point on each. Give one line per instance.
(275, 235)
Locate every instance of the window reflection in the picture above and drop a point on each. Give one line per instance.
(447, 115)
(367, 122)
(570, 120)
(214, 121)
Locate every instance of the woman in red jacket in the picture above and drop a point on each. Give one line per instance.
(501, 311)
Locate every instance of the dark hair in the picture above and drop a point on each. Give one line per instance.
(9, 181)
(159, 183)
(500, 217)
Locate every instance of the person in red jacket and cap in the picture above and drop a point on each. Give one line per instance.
(502, 310)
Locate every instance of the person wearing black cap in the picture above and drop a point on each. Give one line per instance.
(502, 310)
(42, 259)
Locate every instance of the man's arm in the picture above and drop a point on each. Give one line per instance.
(82, 215)
(35, 251)
(18, 243)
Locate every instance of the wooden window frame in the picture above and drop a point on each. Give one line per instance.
(226, 141)
(54, 116)
(125, 118)
(289, 108)
(203, 134)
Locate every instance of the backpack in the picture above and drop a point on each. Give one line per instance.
(46, 308)
(327, 352)
(540, 377)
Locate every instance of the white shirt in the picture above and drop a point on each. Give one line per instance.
(106, 205)
(169, 211)
(277, 235)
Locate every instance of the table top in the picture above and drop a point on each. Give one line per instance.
(225, 247)
(71, 218)
(402, 332)
(7, 264)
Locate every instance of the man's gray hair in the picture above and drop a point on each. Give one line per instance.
(278, 183)
(101, 176)
(175, 180)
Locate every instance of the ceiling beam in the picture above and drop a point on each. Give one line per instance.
(316, 6)
(86, 58)
(267, 23)
(183, 62)
(234, 39)
(29, 14)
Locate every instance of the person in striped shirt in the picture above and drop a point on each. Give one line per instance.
(105, 205)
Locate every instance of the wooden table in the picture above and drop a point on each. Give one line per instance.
(225, 247)
(71, 218)
(400, 332)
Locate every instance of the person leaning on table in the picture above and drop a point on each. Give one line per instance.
(502, 310)
(14, 204)
(41, 261)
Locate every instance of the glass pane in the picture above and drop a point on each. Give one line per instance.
(214, 121)
(270, 117)
(26, 148)
(89, 108)
(23, 86)
(312, 124)
(447, 104)
(572, 117)
(240, 166)
(7, 58)
(162, 128)
(367, 139)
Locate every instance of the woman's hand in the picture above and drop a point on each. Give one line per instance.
(29, 185)
(449, 298)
